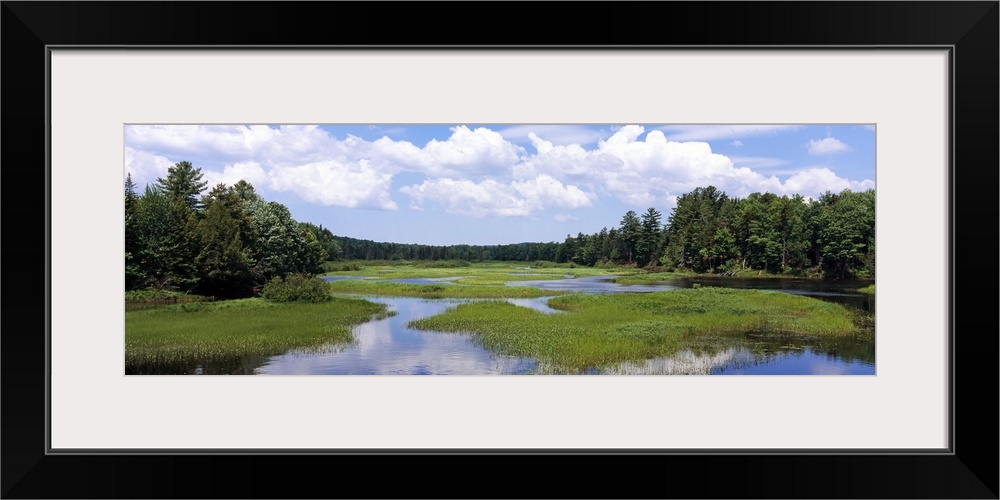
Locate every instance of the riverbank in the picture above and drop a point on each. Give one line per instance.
(224, 333)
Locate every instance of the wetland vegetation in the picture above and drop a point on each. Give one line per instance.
(219, 334)
(226, 282)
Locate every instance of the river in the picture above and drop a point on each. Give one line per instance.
(387, 347)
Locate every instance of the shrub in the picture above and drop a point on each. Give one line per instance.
(161, 296)
(296, 288)
(331, 266)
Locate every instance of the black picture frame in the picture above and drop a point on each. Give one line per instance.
(969, 471)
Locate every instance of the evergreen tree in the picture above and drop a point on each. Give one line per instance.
(184, 182)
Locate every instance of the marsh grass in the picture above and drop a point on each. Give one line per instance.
(221, 332)
(151, 299)
(437, 291)
(644, 278)
(869, 290)
(605, 329)
(481, 280)
(477, 273)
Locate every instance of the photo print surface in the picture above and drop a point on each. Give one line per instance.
(499, 249)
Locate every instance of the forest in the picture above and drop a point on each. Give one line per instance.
(228, 241)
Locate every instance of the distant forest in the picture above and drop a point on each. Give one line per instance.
(708, 231)
(229, 241)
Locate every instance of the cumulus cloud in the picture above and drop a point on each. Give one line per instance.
(232, 143)
(478, 172)
(334, 184)
(545, 191)
(827, 146)
(815, 181)
(490, 197)
(466, 152)
(636, 171)
(250, 171)
(465, 197)
(145, 167)
(562, 135)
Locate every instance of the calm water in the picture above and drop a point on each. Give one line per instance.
(387, 347)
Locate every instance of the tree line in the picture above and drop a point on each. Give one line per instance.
(707, 232)
(229, 241)
(226, 242)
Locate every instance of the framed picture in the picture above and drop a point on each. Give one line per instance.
(928, 86)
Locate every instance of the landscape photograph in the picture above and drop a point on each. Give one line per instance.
(499, 249)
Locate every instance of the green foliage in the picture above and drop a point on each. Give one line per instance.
(164, 250)
(232, 241)
(183, 182)
(296, 287)
(629, 232)
(845, 234)
(224, 235)
(330, 267)
(282, 245)
(647, 246)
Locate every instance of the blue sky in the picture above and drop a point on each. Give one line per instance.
(487, 184)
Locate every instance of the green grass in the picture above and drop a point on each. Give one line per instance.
(150, 299)
(208, 332)
(870, 289)
(438, 291)
(605, 329)
(642, 278)
(506, 271)
(160, 296)
(476, 281)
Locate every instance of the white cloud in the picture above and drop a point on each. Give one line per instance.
(816, 181)
(827, 146)
(288, 144)
(490, 197)
(465, 153)
(544, 191)
(465, 197)
(145, 167)
(250, 171)
(638, 172)
(476, 172)
(562, 135)
(334, 184)
(736, 144)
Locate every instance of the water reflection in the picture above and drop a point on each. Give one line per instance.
(591, 284)
(388, 347)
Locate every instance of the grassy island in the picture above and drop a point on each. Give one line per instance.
(199, 332)
(603, 329)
